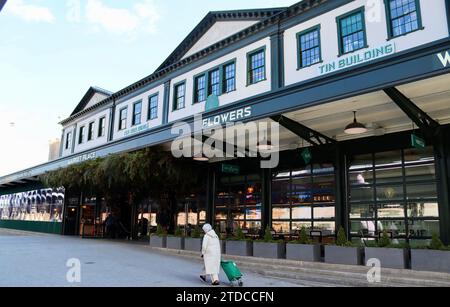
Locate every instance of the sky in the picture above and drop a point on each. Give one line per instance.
(52, 51)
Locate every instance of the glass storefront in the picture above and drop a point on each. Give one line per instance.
(238, 204)
(394, 191)
(304, 198)
(44, 205)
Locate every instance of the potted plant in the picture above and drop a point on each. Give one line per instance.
(194, 243)
(159, 239)
(394, 256)
(433, 258)
(344, 252)
(303, 249)
(268, 247)
(239, 245)
(176, 241)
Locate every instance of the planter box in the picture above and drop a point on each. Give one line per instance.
(430, 260)
(269, 250)
(303, 252)
(193, 244)
(156, 241)
(343, 255)
(393, 258)
(175, 243)
(239, 248)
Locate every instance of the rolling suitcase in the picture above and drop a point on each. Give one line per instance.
(233, 273)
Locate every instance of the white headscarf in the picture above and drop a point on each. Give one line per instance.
(207, 228)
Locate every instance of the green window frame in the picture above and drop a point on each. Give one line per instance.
(214, 82)
(81, 135)
(256, 66)
(179, 96)
(137, 113)
(200, 82)
(68, 140)
(402, 19)
(229, 77)
(153, 107)
(91, 131)
(352, 29)
(123, 114)
(101, 126)
(309, 47)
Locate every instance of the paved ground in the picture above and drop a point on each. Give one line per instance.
(40, 260)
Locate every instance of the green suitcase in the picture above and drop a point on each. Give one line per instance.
(233, 273)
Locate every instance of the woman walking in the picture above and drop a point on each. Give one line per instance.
(211, 255)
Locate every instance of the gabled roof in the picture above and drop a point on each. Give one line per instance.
(88, 96)
(210, 19)
(2, 3)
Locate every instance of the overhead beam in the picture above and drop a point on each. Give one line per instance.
(427, 124)
(314, 137)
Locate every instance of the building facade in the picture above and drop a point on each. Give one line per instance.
(308, 67)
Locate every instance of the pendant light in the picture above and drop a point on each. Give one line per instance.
(201, 158)
(355, 127)
(265, 146)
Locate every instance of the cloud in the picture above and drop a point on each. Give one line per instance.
(142, 16)
(29, 12)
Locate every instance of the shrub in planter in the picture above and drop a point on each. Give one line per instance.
(176, 241)
(303, 249)
(344, 252)
(269, 248)
(194, 243)
(239, 245)
(394, 256)
(159, 239)
(432, 258)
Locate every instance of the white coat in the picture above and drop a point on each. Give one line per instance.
(211, 252)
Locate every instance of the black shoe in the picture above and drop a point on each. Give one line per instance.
(216, 283)
(203, 278)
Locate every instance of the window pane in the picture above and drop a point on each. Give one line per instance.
(421, 191)
(214, 83)
(425, 172)
(309, 48)
(280, 190)
(324, 213)
(403, 16)
(392, 192)
(323, 189)
(396, 227)
(327, 228)
(365, 211)
(388, 158)
(424, 228)
(301, 213)
(429, 209)
(281, 213)
(391, 211)
(419, 155)
(361, 194)
(281, 227)
(364, 177)
(363, 228)
(361, 161)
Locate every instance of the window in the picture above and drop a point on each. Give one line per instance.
(123, 119)
(394, 191)
(309, 47)
(91, 132)
(68, 140)
(180, 96)
(229, 77)
(152, 107)
(200, 89)
(352, 34)
(256, 66)
(81, 136)
(403, 16)
(214, 82)
(101, 127)
(137, 112)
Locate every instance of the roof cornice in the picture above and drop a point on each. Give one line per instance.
(290, 12)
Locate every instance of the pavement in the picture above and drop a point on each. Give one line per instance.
(35, 260)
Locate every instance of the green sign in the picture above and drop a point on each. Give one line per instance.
(212, 103)
(231, 169)
(306, 155)
(417, 142)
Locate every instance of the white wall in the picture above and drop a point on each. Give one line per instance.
(67, 152)
(219, 31)
(434, 21)
(96, 99)
(145, 125)
(96, 141)
(242, 90)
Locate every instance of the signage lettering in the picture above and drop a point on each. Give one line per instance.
(231, 169)
(444, 58)
(79, 159)
(357, 58)
(135, 130)
(417, 142)
(227, 117)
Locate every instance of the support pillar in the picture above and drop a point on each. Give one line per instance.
(341, 209)
(442, 157)
(266, 198)
(210, 195)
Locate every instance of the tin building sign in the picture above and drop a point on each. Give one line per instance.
(356, 58)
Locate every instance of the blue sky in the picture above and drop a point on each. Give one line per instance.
(52, 51)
